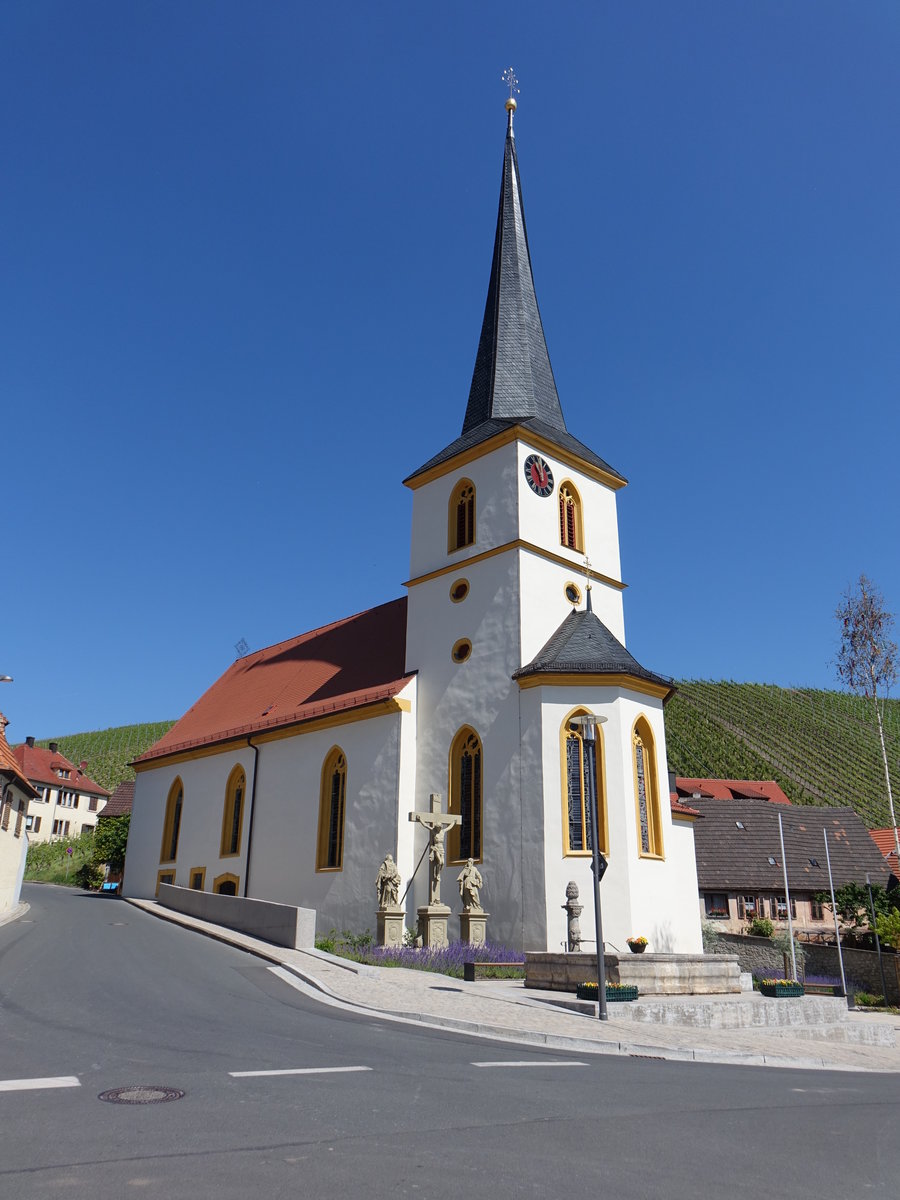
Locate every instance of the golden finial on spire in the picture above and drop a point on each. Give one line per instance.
(509, 78)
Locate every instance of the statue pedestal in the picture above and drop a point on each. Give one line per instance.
(391, 925)
(473, 927)
(433, 920)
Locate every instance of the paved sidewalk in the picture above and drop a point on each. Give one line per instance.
(506, 1011)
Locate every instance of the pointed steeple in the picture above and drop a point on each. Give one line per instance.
(513, 378)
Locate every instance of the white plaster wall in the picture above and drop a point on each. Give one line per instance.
(496, 519)
(199, 839)
(639, 895)
(481, 693)
(12, 855)
(287, 818)
(539, 515)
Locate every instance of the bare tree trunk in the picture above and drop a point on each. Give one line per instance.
(887, 779)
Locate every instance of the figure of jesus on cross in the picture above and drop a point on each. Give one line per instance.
(437, 824)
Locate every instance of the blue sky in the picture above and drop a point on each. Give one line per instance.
(245, 250)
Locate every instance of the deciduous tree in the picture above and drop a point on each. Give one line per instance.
(867, 660)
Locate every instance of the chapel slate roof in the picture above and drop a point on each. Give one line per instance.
(583, 645)
(730, 858)
(348, 664)
(42, 766)
(512, 383)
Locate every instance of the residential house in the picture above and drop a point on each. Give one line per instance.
(68, 801)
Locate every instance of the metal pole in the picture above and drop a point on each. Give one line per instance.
(837, 932)
(877, 942)
(590, 748)
(787, 898)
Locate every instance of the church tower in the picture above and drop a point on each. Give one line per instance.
(511, 638)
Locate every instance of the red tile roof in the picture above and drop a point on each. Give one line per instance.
(351, 663)
(43, 766)
(679, 809)
(8, 763)
(731, 789)
(884, 840)
(121, 801)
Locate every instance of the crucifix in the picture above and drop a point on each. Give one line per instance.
(437, 824)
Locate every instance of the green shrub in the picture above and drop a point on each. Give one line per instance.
(88, 876)
(761, 927)
(868, 1000)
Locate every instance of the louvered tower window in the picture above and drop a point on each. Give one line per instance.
(462, 515)
(570, 526)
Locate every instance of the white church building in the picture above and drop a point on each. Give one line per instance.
(295, 773)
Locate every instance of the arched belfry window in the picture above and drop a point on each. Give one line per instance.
(466, 795)
(571, 531)
(461, 516)
(646, 790)
(172, 822)
(330, 846)
(576, 800)
(233, 813)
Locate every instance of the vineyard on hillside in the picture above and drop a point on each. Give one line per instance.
(820, 747)
(109, 751)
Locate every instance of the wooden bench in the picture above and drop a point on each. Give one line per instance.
(473, 971)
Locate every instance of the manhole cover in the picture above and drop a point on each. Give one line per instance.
(141, 1093)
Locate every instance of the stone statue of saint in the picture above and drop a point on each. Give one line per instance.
(469, 880)
(387, 883)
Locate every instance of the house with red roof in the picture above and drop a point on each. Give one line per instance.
(15, 795)
(68, 801)
(500, 683)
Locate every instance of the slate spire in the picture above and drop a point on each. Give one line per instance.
(513, 378)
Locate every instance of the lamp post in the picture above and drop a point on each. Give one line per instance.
(588, 726)
(6, 679)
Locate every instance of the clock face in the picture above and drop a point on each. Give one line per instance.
(539, 475)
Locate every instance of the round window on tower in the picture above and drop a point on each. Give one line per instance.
(461, 650)
(459, 590)
(573, 593)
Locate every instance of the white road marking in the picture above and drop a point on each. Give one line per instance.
(299, 1071)
(547, 1062)
(29, 1085)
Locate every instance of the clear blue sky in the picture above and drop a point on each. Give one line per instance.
(245, 250)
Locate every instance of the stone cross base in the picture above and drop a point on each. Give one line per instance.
(473, 927)
(391, 925)
(433, 920)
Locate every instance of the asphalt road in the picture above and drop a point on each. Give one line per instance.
(97, 995)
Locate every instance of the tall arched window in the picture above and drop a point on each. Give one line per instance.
(330, 847)
(646, 790)
(576, 810)
(172, 823)
(461, 516)
(233, 813)
(571, 532)
(465, 795)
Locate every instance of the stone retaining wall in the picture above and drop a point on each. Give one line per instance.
(281, 924)
(760, 956)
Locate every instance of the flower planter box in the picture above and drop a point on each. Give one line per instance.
(613, 994)
(637, 947)
(782, 991)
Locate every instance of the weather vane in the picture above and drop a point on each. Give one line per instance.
(509, 78)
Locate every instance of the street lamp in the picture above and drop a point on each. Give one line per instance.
(588, 726)
(6, 679)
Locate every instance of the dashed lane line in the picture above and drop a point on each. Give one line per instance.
(547, 1062)
(30, 1085)
(298, 1071)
